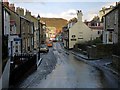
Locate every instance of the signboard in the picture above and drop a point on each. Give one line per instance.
(110, 29)
(73, 39)
(17, 39)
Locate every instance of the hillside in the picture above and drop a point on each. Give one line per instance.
(55, 22)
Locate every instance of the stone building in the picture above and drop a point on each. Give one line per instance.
(36, 31)
(14, 16)
(96, 27)
(104, 11)
(111, 20)
(27, 35)
(42, 32)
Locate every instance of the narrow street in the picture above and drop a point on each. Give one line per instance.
(68, 44)
(69, 72)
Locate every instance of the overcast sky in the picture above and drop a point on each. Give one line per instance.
(63, 8)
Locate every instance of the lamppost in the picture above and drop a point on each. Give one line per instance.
(39, 35)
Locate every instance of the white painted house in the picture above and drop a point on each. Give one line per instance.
(5, 31)
(79, 32)
(96, 28)
(14, 42)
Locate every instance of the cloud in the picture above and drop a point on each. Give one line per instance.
(89, 17)
(69, 14)
(90, 14)
(64, 0)
(66, 14)
(108, 4)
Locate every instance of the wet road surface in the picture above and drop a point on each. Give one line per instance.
(62, 70)
(70, 73)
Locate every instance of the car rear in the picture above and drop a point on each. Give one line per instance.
(50, 44)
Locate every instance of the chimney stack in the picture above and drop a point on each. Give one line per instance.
(28, 13)
(6, 3)
(117, 3)
(79, 15)
(20, 11)
(12, 7)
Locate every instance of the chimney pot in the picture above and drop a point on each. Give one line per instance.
(79, 15)
(12, 7)
(6, 3)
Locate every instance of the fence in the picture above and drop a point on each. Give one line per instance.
(22, 64)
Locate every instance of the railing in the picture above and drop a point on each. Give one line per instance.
(22, 65)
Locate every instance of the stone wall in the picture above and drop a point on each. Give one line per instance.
(92, 52)
(116, 62)
(99, 51)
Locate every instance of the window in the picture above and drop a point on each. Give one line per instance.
(80, 35)
(73, 36)
(110, 36)
(80, 32)
(16, 47)
(115, 18)
(98, 32)
(16, 42)
(16, 50)
(108, 21)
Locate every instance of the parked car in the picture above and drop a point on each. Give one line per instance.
(44, 48)
(49, 43)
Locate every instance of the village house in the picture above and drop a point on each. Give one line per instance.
(36, 31)
(14, 39)
(96, 27)
(78, 33)
(17, 37)
(111, 34)
(83, 31)
(104, 11)
(26, 32)
(14, 32)
(65, 36)
(27, 35)
(21, 32)
(42, 32)
(66, 31)
(53, 27)
(51, 33)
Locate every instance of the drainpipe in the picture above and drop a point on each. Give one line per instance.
(2, 19)
(33, 35)
(68, 38)
(21, 35)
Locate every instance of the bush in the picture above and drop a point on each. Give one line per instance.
(95, 41)
(83, 46)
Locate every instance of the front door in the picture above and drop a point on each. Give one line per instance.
(110, 37)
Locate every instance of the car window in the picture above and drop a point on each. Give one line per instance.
(43, 46)
(49, 42)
